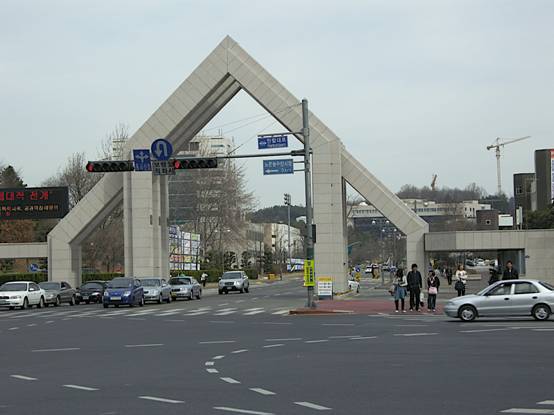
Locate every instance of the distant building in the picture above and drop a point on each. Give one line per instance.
(525, 192)
(544, 172)
(276, 237)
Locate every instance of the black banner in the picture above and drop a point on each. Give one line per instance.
(34, 203)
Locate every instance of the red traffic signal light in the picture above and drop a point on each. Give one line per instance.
(110, 166)
(195, 163)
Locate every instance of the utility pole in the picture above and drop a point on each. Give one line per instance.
(288, 203)
(308, 186)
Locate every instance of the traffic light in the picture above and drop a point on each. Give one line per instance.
(109, 166)
(287, 199)
(195, 163)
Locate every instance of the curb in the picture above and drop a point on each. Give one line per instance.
(307, 311)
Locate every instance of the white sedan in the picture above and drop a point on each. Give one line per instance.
(22, 294)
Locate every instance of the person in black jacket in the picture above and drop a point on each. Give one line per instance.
(510, 273)
(415, 283)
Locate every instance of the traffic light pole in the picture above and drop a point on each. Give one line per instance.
(308, 189)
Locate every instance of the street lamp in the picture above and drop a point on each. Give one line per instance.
(287, 200)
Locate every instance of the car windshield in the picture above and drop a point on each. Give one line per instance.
(179, 281)
(546, 285)
(120, 283)
(151, 282)
(14, 286)
(231, 276)
(50, 285)
(92, 286)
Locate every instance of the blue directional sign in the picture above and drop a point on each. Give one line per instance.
(161, 149)
(279, 166)
(141, 159)
(274, 141)
(33, 268)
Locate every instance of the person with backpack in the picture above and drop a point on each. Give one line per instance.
(461, 281)
(415, 284)
(433, 284)
(400, 282)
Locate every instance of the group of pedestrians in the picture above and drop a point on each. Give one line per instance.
(412, 283)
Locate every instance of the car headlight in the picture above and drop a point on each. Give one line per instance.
(126, 293)
(237, 282)
(15, 297)
(185, 289)
(49, 295)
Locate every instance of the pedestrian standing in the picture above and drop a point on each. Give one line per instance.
(433, 284)
(510, 273)
(415, 284)
(204, 279)
(461, 280)
(449, 275)
(400, 283)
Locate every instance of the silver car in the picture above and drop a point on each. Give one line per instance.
(505, 298)
(233, 281)
(185, 287)
(156, 289)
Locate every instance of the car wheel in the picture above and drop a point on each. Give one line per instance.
(46, 304)
(160, 299)
(226, 292)
(72, 302)
(467, 313)
(25, 304)
(141, 302)
(220, 292)
(247, 290)
(40, 302)
(541, 312)
(169, 299)
(105, 305)
(191, 295)
(58, 302)
(241, 291)
(77, 302)
(199, 295)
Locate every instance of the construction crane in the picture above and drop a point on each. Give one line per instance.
(434, 182)
(496, 145)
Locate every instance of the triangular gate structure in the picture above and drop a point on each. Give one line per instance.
(226, 71)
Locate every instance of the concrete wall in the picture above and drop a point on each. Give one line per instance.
(24, 250)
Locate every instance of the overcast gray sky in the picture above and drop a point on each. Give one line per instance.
(411, 87)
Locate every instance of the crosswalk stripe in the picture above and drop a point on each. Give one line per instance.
(528, 411)
(280, 312)
(545, 403)
(251, 313)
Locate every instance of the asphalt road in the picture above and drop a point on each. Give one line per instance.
(240, 353)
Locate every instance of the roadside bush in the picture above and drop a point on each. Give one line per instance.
(23, 276)
(103, 276)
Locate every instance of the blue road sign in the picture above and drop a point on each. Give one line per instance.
(161, 149)
(33, 268)
(279, 166)
(274, 141)
(141, 159)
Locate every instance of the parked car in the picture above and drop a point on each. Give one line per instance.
(156, 289)
(90, 291)
(57, 292)
(505, 298)
(185, 287)
(123, 291)
(233, 281)
(22, 294)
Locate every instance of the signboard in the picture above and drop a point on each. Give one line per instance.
(309, 273)
(274, 141)
(279, 166)
(162, 168)
(184, 248)
(552, 175)
(161, 149)
(325, 287)
(34, 203)
(141, 158)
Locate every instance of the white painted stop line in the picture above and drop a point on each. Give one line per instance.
(313, 406)
(241, 411)
(156, 399)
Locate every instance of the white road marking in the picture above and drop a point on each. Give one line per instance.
(218, 357)
(545, 403)
(144, 345)
(239, 351)
(209, 364)
(218, 342)
(241, 411)
(169, 313)
(277, 324)
(66, 349)
(251, 313)
(262, 391)
(316, 341)
(13, 328)
(337, 324)
(363, 338)
(212, 370)
(284, 340)
(224, 304)
(23, 377)
(253, 309)
(528, 411)
(273, 345)
(345, 337)
(49, 322)
(225, 313)
(414, 334)
(313, 406)
(229, 380)
(79, 387)
(484, 330)
(195, 313)
(280, 312)
(156, 399)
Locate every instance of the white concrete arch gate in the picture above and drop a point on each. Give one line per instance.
(226, 71)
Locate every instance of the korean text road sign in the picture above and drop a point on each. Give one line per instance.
(325, 287)
(33, 203)
(309, 273)
(141, 158)
(162, 168)
(279, 166)
(161, 149)
(274, 141)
